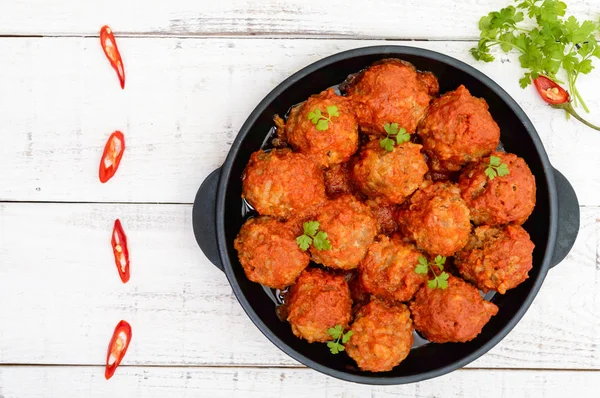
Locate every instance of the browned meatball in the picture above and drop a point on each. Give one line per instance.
(318, 301)
(268, 252)
(327, 146)
(455, 314)
(437, 219)
(382, 335)
(350, 228)
(458, 129)
(502, 200)
(388, 269)
(337, 180)
(496, 258)
(386, 215)
(391, 91)
(275, 183)
(393, 175)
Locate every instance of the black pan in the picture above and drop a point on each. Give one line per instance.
(553, 226)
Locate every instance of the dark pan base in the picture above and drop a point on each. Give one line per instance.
(518, 136)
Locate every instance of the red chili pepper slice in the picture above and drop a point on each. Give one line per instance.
(109, 45)
(111, 157)
(558, 98)
(120, 250)
(550, 91)
(117, 348)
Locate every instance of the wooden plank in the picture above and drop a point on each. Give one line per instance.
(61, 297)
(184, 102)
(56, 381)
(399, 19)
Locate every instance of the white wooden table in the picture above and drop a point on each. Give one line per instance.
(195, 70)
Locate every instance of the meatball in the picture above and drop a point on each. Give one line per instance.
(391, 91)
(337, 180)
(437, 219)
(268, 252)
(458, 129)
(496, 258)
(502, 200)
(350, 228)
(455, 314)
(275, 183)
(385, 213)
(318, 301)
(327, 146)
(382, 335)
(393, 175)
(388, 269)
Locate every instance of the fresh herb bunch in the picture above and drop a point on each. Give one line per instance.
(320, 120)
(439, 281)
(496, 168)
(337, 333)
(312, 235)
(395, 135)
(555, 43)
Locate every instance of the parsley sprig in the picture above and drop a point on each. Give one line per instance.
(496, 168)
(337, 333)
(555, 43)
(395, 135)
(440, 281)
(312, 235)
(320, 120)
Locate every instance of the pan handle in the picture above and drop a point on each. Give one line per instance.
(203, 218)
(568, 218)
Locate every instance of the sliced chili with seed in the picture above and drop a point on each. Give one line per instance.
(120, 251)
(109, 45)
(111, 157)
(117, 348)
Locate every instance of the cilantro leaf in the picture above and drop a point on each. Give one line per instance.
(337, 333)
(551, 45)
(311, 227)
(304, 242)
(321, 121)
(322, 125)
(395, 135)
(496, 168)
(422, 269)
(321, 242)
(442, 280)
(312, 235)
(332, 111)
(440, 261)
(432, 284)
(347, 336)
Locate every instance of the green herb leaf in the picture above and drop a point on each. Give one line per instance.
(310, 227)
(347, 336)
(395, 135)
(439, 281)
(402, 136)
(340, 338)
(496, 168)
(387, 144)
(432, 284)
(312, 235)
(321, 242)
(322, 124)
(304, 242)
(321, 121)
(332, 111)
(440, 261)
(442, 280)
(552, 45)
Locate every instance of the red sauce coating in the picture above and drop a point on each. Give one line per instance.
(275, 183)
(327, 147)
(318, 301)
(382, 336)
(496, 258)
(456, 314)
(391, 91)
(458, 129)
(268, 252)
(506, 199)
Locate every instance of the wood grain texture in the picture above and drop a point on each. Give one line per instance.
(61, 297)
(399, 19)
(184, 103)
(146, 382)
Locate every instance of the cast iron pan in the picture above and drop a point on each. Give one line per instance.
(553, 226)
